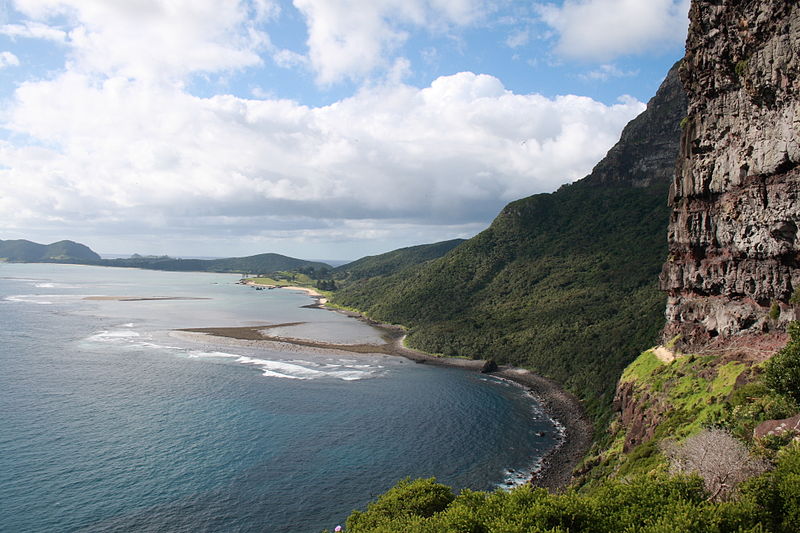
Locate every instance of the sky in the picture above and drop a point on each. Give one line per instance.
(319, 129)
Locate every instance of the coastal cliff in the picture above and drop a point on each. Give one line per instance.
(715, 400)
(734, 248)
(648, 146)
(734, 255)
(564, 284)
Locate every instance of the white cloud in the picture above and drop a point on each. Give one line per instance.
(115, 143)
(266, 10)
(349, 39)
(132, 158)
(34, 30)
(606, 72)
(401, 69)
(604, 29)
(7, 59)
(153, 39)
(518, 38)
(288, 59)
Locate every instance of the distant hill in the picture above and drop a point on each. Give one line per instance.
(62, 251)
(72, 252)
(394, 261)
(562, 283)
(254, 264)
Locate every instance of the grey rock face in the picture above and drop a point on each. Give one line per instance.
(733, 234)
(646, 151)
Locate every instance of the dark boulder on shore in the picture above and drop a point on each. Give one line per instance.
(489, 366)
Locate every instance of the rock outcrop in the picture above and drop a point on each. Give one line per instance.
(734, 247)
(778, 427)
(647, 148)
(640, 414)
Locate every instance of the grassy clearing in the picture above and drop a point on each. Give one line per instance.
(264, 281)
(642, 367)
(285, 279)
(679, 398)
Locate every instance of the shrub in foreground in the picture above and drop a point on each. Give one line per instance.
(783, 369)
(651, 503)
(722, 461)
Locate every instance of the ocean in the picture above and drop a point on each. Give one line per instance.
(112, 421)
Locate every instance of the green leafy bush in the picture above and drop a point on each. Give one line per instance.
(408, 499)
(649, 503)
(782, 372)
(741, 68)
(752, 404)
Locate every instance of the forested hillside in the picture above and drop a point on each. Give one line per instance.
(68, 251)
(394, 261)
(254, 264)
(26, 251)
(562, 283)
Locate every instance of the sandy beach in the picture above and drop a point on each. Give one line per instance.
(320, 299)
(564, 408)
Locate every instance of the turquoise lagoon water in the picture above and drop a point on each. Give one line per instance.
(111, 422)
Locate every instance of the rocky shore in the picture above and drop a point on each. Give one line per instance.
(560, 405)
(564, 408)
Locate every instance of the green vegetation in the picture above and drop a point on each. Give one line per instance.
(702, 409)
(297, 279)
(641, 368)
(684, 122)
(325, 285)
(654, 502)
(72, 252)
(261, 264)
(741, 68)
(680, 399)
(783, 370)
(57, 252)
(750, 405)
(562, 283)
(262, 280)
(394, 261)
(677, 400)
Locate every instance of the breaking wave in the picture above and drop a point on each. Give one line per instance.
(299, 369)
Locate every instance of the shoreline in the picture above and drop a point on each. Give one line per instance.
(313, 293)
(561, 406)
(555, 472)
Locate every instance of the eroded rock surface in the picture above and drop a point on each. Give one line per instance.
(733, 236)
(646, 151)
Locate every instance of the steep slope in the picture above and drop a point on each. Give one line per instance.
(688, 412)
(394, 261)
(563, 283)
(27, 251)
(734, 254)
(733, 237)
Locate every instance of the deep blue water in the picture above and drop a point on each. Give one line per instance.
(111, 422)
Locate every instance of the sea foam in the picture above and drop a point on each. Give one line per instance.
(114, 335)
(38, 299)
(297, 369)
